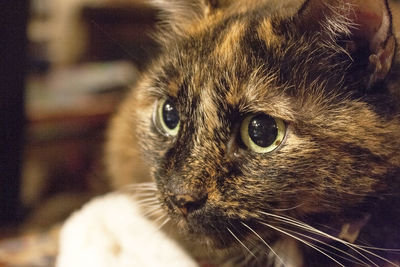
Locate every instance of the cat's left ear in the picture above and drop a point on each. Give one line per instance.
(366, 26)
(178, 14)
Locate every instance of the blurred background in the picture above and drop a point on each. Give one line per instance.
(64, 66)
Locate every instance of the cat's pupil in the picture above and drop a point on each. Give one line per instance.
(170, 115)
(263, 130)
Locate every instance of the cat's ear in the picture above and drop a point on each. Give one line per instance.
(364, 25)
(178, 14)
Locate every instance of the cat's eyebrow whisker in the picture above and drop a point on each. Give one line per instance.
(265, 243)
(352, 246)
(240, 242)
(302, 241)
(333, 247)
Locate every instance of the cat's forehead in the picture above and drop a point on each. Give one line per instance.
(232, 60)
(255, 61)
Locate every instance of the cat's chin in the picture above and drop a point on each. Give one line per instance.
(204, 234)
(220, 234)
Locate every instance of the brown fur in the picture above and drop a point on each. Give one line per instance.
(339, 162)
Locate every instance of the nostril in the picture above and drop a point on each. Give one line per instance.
(188, 203)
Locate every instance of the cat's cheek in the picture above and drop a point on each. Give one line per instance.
(291, 139)
(153, 144)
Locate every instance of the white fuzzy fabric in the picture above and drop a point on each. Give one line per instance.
(110, 232)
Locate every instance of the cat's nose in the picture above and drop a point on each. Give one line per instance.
(188, 203)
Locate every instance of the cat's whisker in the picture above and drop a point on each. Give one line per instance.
(265, 243)
(148, 201)
(371, 253)
(330, 246)
(155, 204)
(344, 258)
(313, 230)
(150, 207)
(153, 213)
(137, 193)
(241, 243)
(394, 250)
(163, 223)
(140, 194)
(146, 207)
(144, 184)
(157, 209)
(162, 216)
(139, 187)
(138, 197)
(287, 209)
(352, 246)
(143, 194)
(246, 261)
(302, 241)
(219, 233)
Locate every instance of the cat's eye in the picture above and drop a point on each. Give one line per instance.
(166, 117)
(262, 133)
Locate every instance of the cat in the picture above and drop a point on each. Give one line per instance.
(271, 130)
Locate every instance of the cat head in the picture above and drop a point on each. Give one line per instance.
(256, 110)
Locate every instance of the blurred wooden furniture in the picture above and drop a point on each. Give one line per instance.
(120, 32)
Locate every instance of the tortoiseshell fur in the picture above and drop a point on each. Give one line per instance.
(339, 162)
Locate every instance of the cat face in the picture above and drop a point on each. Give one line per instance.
(252, 113)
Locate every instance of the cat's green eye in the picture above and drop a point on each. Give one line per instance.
(166, 117)
(262, 133)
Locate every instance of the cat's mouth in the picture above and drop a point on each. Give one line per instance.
(223, 232)
(220, 231)
(210, 225)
